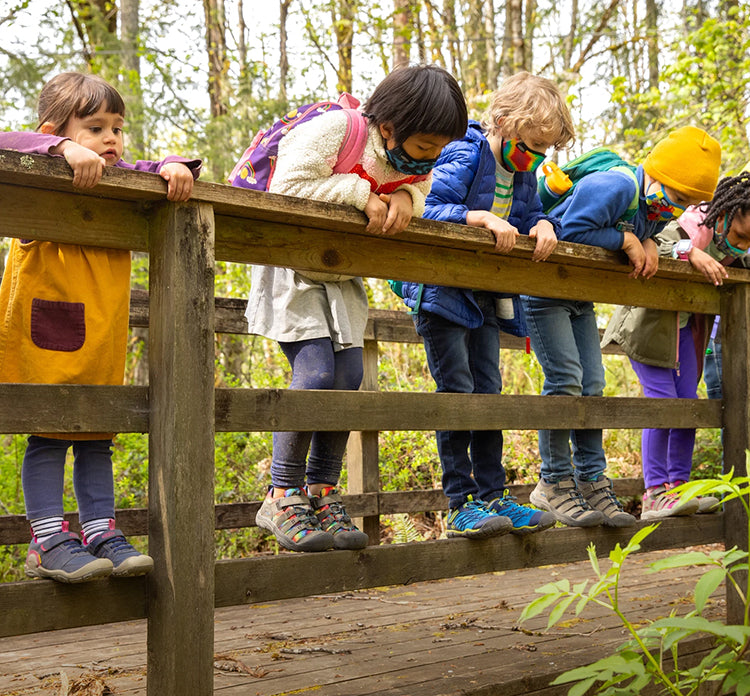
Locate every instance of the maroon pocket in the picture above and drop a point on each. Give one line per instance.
(57, 325)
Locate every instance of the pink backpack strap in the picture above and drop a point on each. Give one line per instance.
(692, 222)
(354, 141)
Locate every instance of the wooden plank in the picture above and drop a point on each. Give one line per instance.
(14, 529)
(280, 409)
(181, 451)
(263, 579)
(314, 235)
(27, 607)
(45, 605)
(28, 408)
(735, 321)
(363, 472)
(277, 244)
(60, 217)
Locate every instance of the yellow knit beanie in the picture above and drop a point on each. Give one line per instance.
(688, 161)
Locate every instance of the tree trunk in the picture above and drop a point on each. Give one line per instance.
(475, 64)
(343, 29)
(216, 46)
(283, 56)
(402, 29)
(529, 30)
(652, 37)
(451, 33)
(435, 34)
(513, 42)
(130, 84)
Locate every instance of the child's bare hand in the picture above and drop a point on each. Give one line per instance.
(87, 166)
(377, 212)
(709, 267)
(632, 246)
(179, 181)
(400, 210)
(652, 258)
(505, 233)
(546, 240)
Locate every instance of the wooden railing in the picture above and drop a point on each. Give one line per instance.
(181, 410)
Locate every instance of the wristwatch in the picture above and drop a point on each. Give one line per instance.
(681, 249)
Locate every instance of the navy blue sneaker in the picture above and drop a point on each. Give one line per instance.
(126, 560)
(62, 557)
(525, 519)
(475, 521)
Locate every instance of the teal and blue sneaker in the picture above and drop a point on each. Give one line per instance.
(475, 520)
(525, 519)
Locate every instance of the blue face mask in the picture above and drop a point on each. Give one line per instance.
(403, 162)
(723, 245)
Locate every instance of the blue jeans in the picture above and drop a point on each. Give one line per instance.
(466, 361)
(565, 339)
(315, 365)
(43, 476)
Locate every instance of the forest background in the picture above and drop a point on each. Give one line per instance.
(200, 79)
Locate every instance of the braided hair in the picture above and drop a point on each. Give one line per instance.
(732, 196)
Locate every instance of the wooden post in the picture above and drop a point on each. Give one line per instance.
(181, 452)
(362, 450)
(735, 320)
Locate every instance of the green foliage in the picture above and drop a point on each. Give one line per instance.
(649, 657)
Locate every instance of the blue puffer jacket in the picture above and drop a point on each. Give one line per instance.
(464, 179)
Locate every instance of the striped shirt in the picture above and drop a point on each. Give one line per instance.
(503, 191)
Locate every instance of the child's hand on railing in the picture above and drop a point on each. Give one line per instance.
(179, 181)
(632, 246)
(400, 210)
(87, 166)
(546, 240)
(709, 267)
(377, 212)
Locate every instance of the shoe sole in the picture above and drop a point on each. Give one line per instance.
(522, 531)
(686, 509)
(619, 522)
(593, 519)
(313, 542)
(132, 567)
(493, 527)
(350, 541)
(101, 568)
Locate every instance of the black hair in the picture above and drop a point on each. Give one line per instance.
(732, 196)
(419, 99)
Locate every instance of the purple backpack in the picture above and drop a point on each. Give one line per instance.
(256, 166)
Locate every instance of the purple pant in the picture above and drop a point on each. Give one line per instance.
(667, 454)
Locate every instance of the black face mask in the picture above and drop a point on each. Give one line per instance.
(403, 162)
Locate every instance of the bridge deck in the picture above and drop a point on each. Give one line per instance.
(447, 637)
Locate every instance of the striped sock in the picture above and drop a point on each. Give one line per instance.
(93, 528)
(45, 527)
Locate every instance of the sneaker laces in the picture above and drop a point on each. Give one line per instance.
(335, 512)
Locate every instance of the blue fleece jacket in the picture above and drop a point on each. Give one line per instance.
(464, 179)
(597, 204)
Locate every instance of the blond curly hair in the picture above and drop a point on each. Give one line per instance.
(530, 104)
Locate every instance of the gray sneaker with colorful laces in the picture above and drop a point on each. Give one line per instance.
(333, 518)
(293, 522)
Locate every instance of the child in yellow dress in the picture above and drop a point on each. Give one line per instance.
(64, 320)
